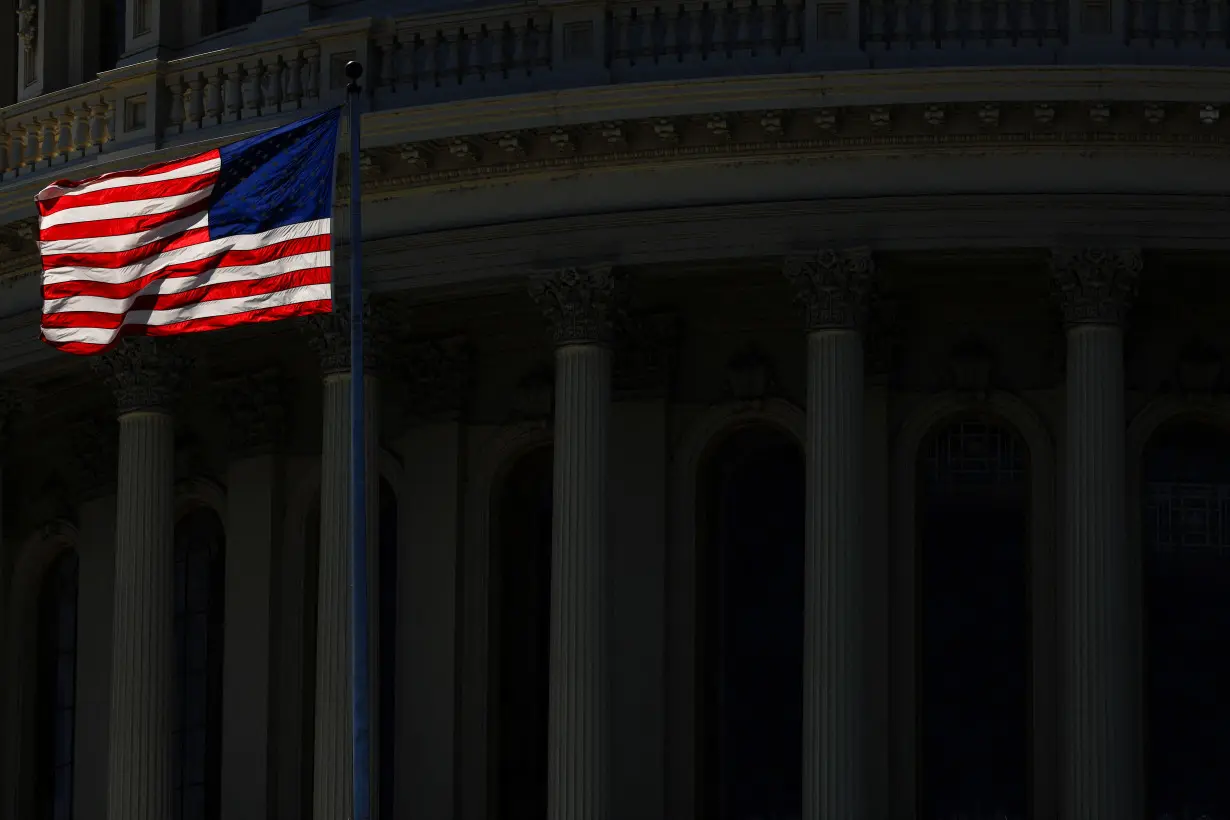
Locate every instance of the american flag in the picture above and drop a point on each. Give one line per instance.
(231, 236)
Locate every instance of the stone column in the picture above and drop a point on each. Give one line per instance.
(580, 303)
(332, 793)
(254, 412)
(832, 288)
(1099, 656)
(144, 374)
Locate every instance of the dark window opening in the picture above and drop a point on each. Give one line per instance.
(232, 13)
(519, 625)
(56, 697)
(750, 597)
(199, 612)
(111, 33)
(973, 623)
(1186, 545)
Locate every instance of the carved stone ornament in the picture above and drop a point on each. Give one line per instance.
(255, 411)
(95, 456)
(534, 396)
(749, 376)
(645, 355)
(581, 304)
(970, 364)
(1095, 285)
(27, 24)
(832, 286)
(435, 375)
(144, 373)
(1198, 371)
(329, 336)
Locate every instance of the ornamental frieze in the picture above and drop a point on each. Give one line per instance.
(909, 131)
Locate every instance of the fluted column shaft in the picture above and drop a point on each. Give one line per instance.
(578, 754)
(833, 654)
(332, 777)
(832, 288)
(579, 303)
(1101, 731)
(139, 787)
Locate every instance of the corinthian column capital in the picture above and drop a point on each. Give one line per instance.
(832, 286)
(1095, 285)
(144, 373)
(582, 304)
(329, 335)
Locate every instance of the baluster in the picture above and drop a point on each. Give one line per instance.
(903, 32)
(542, 42)
(926, 23)
(194, 102)
(518, 38)
(294, 82)
(469, 55)
(625, 26)
(743, 26)
(388, 71)
(767, 42)
(47, 141)
(1189, 29)
(109, 121)
(670, 33)
(4, 151)
(250, 88)
(1003, 26)
(81, 128)
(17, 142)
(311, 80)
(213, 99)
(175, 116)
(1215, 33)
(232, 96)
(272, 86)
(98, 127)
(67, 136)
(404, 60)
(723, 17)
(687, 32)
(456, 53)
(502, 49)
(433, 64)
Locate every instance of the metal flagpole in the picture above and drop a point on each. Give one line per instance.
(358, 470)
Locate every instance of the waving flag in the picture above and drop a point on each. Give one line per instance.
(231, 236)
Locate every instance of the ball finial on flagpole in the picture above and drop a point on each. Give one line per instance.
(354, 71)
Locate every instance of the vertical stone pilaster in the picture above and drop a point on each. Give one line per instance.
(832, 288)
(581, 304)
(332, 792)
(255, 416)
(1100, 659)
(145, 375)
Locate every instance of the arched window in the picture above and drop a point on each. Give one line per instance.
(750, 653)
(57, 685)
(387, 730)
(199, 608)
(973, 622)
(519, 626)
(1186, 543)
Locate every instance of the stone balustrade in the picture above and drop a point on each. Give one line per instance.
(502, 50)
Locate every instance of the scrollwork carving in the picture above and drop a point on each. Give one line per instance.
(329, 336)
(645, 355)
(144, 373)
(833, 287)
(27, 24)
(255, 411)
(1095, 285)
(582, 305)
(435, 378)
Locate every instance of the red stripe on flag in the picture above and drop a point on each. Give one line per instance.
(199, 267)
(122, 259)
(58, 187)
(199, 325)
(118, 227)
(129, 193)
(207, 293)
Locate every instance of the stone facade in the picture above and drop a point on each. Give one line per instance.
(679, 319)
